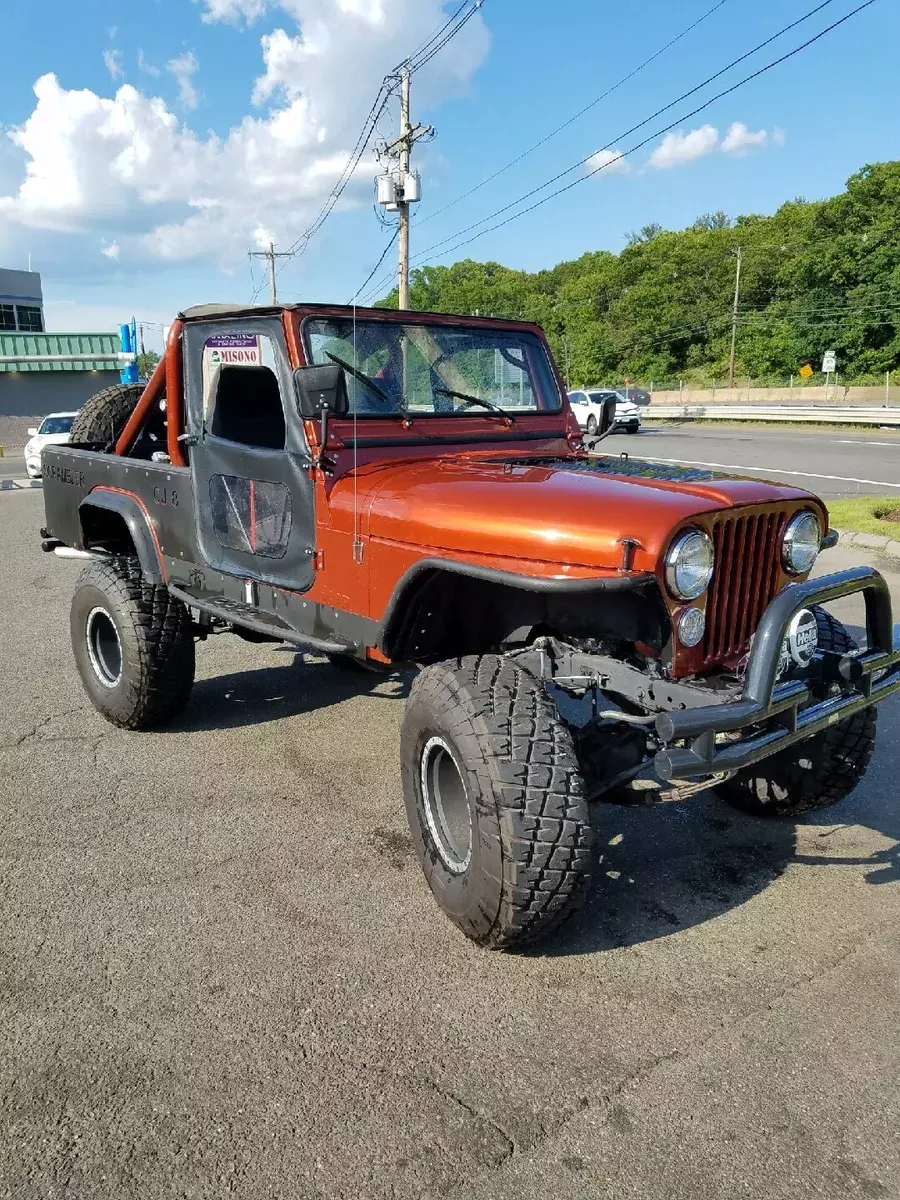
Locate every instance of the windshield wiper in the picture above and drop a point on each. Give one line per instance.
(489, 404)
(361, 376)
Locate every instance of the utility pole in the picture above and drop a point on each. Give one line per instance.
(734, 316)
(270, 256)
(405, 149)
(397, 192)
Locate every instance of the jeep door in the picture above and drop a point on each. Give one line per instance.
(248, 452)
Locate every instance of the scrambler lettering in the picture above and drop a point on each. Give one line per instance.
(64, 475)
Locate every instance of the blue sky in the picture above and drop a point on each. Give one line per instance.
(166, 139)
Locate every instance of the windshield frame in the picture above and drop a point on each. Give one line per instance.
(545, 382)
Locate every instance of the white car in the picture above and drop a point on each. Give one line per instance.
(54, 430)
(588, 409)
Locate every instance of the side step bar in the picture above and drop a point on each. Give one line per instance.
(261, 622)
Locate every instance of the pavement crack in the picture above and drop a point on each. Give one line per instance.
(510, 1146)
(35, 730)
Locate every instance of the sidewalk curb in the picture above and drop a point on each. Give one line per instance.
(871, 541)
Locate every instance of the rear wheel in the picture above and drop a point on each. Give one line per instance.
(102, 418)
(133, 645)
(818, 772)
(495, 800)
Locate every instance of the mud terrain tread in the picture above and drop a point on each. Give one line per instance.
(163, 633)
(529, 777)
(839, 756)
(103, 417)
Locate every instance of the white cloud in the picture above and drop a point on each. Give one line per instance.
(125, 167)
(678, 148)
(183, 67)
(233, 11)
(113, 250)
(608, 161)
(779, 137)
(147, 67)
(113, 61)
(741, 141)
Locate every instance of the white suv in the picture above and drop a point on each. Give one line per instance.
(54, 430)
(588, 409)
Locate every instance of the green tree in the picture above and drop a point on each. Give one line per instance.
(146, 363)
(816, 276)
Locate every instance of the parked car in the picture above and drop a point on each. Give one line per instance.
(588, 410)
(372, 485)
(54, 430)
(637, 395)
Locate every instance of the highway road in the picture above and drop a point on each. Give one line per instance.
(222, 972)
(830, 462)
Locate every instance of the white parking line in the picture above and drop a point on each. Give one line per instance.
(687, 462)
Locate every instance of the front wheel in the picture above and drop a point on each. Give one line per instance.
(634, 429)
(495, 800)
(816, 773)
(592, 425)
(133, 644)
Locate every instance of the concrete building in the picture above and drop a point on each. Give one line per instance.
(21, 302)
(42, 372)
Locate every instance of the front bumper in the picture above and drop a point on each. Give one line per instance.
(789, 712)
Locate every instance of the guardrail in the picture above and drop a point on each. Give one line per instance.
(850, 415)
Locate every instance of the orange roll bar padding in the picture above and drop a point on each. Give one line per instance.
(166, 378)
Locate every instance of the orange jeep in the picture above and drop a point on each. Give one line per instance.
(394, 488)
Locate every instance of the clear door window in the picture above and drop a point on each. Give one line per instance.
(251, 515)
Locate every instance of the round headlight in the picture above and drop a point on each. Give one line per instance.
(691, 626)
(689, 565)
(802, 543)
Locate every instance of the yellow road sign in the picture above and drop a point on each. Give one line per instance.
(806, 371)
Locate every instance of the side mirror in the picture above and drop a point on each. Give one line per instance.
(32, 433)
(608, 417)
(320, 391)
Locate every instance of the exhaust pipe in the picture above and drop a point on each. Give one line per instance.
(71, 552)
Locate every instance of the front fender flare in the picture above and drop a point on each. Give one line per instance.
(137, 520)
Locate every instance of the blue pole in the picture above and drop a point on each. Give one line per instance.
(129, 372)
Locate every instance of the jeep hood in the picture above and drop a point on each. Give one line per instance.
(569, 511)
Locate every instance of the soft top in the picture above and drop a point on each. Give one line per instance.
(200, 312)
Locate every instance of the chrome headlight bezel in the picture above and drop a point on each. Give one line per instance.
(797, 555)
(687, 542)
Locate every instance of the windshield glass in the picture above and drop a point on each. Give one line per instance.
(56, 425)
(435, 369)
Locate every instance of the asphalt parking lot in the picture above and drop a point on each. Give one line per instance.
(223, 974)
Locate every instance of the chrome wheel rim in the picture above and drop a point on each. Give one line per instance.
(446, 805)
(104, 647)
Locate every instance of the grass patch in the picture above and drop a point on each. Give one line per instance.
(867, 514)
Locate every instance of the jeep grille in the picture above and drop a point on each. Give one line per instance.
(746, 578)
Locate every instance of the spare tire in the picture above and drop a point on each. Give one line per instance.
(101, 419)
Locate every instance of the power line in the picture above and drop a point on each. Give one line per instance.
(587, 108)
(420, 62)
(377, 266)
(618, 157)
(388, 85)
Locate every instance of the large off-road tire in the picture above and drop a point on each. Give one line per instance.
(102, 418)
(495, 800)
(818, 772)
(133, 645)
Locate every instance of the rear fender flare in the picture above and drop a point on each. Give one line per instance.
(137, 522)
